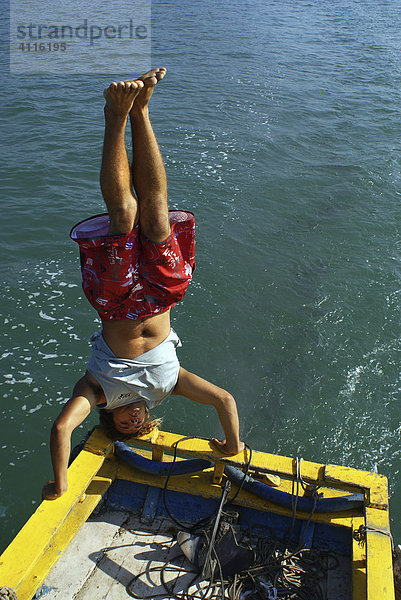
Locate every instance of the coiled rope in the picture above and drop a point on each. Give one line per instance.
(279, 571)
(7, 593)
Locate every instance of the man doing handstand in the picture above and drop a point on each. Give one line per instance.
(136, 263)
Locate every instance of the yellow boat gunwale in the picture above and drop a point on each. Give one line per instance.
(26, 562)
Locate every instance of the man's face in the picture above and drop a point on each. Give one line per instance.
(130, 418)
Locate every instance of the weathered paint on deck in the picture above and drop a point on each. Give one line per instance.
(101, 565)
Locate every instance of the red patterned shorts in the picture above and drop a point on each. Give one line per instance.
(130, 277)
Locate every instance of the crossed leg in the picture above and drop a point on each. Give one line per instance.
(115, 174)
(147, 174)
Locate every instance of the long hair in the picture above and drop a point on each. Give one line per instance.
(107, 422)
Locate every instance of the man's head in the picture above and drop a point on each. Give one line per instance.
(130, 418)
(130, 422)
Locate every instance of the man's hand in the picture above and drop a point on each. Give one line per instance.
(49, 491)
(228, 450)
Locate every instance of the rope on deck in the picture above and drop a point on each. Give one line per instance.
(279, 570)
(7, 593)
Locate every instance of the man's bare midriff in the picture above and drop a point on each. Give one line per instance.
(129, 339)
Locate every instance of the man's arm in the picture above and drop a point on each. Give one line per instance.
(85, 397)
(195, 388)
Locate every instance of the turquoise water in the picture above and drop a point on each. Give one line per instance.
(279, 125)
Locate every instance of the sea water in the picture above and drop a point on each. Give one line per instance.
(279, 125)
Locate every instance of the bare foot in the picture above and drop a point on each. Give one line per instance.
(224, 448)
(120, 97)
(149, 80)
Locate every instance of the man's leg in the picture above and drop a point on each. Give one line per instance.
(115, 174)
(148, 172)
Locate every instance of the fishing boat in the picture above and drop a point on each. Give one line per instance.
(167, 516)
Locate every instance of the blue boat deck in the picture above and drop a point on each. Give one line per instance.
(116, 545)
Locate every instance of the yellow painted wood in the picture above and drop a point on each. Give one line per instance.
(218, 472)
(373, 482)
(378, 493)
(359, 584)
(157, 453)
(344, 478)
(379, 562)
(35, 537)
(99, 442)
(35, 576)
